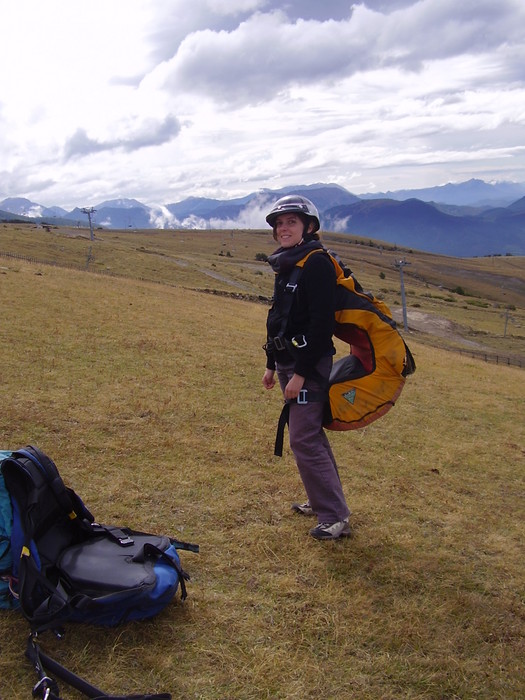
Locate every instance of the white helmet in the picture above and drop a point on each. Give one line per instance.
(294, 203)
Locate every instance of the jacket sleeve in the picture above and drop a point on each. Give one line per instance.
(270, 358)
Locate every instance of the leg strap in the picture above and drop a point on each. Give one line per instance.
(305, 396)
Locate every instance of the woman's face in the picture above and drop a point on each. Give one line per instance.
(289, 229)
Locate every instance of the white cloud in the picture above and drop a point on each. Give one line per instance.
(161, 217)
(161, 101)
(150, 133)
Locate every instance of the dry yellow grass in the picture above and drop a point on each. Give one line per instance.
(148, 397)
(473, 317)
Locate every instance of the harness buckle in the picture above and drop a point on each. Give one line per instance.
(290, 287)
(302, 397)
(45, 685)
(125, 541)
(278, 343)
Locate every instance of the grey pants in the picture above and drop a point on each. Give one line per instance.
(311, 449)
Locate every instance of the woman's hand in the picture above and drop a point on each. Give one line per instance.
(293, 387)
(268, 379)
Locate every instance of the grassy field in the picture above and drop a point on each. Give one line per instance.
(473, 305)
(147, 394)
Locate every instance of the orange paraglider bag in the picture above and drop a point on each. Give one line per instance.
(367, 382)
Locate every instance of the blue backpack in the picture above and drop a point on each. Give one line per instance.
(6, 560)
(58, 565)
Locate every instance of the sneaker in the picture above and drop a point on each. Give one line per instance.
(331, 531)
(303, 508)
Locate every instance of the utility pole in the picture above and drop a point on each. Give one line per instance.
(400, 264)
(89, 257)
(89, 211)
(507, 318)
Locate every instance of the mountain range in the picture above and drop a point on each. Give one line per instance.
(467, 219)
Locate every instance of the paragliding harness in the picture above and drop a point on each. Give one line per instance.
(64, 567)
(364, 384)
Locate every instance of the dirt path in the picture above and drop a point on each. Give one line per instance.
(434, 325)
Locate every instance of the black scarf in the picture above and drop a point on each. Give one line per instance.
(284, 259)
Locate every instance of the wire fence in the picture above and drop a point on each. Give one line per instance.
(493, 357)
(51, 263)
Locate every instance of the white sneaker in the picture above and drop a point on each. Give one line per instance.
(331, 531)
(303, 508)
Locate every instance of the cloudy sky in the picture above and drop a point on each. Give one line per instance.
(160, 100)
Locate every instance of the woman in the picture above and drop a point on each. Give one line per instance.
(300, 350)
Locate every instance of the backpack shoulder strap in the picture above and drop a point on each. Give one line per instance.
(285, 305)
(290, 289)
(40, 472)
(47, 471)
(302, 262)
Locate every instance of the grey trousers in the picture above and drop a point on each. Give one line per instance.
(311, 449)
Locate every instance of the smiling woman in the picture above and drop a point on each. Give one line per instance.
(289, 230)
(299, 350)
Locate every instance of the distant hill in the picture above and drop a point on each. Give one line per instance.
(113, 214)
(518, 206)
(416, 224)
(462, 220)
(9, 216)
(474, 193)
(24, 207)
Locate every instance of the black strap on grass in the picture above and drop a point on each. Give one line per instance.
(46, 687)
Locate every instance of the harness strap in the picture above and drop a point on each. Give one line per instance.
(287, 297)
(285, 305)
(113, 533)
(282, 423)
(305, 396)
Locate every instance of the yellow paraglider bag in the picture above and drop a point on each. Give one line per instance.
(367, 382)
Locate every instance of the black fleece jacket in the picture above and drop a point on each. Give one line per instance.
(311, 315)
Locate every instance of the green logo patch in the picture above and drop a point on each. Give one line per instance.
(350, 396)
